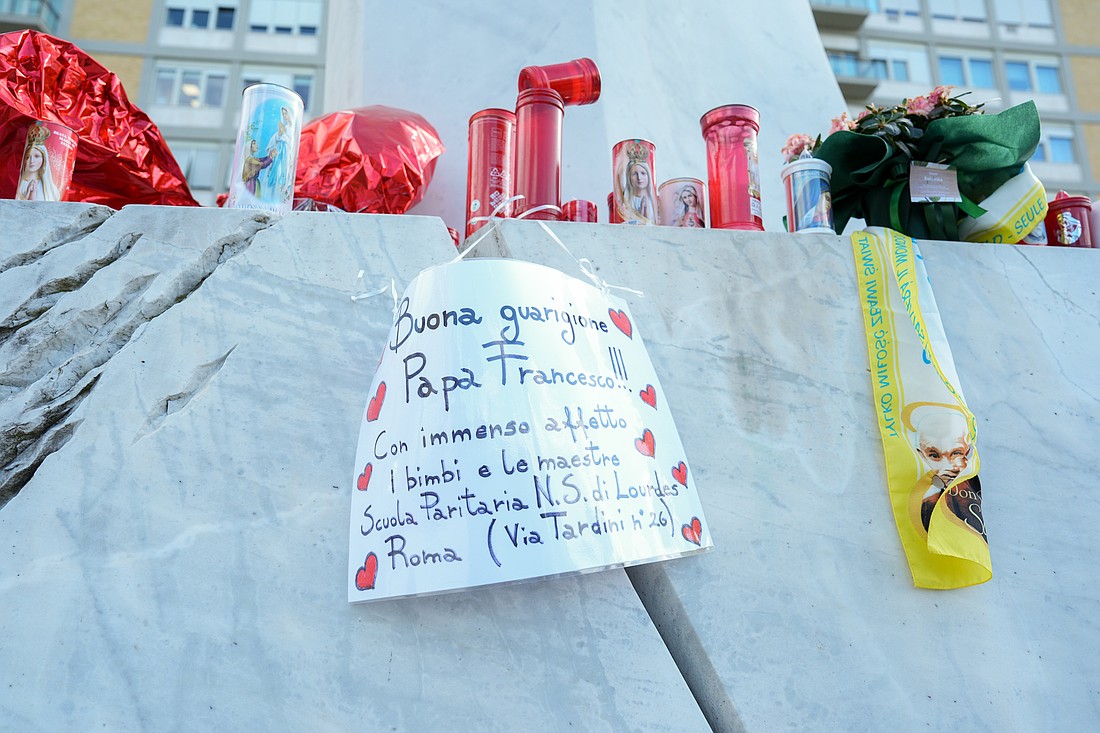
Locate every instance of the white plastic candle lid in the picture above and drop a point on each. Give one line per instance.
(806, 164)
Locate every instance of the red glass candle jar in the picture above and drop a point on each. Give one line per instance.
(1067, 221)
(577, 81)
(491, 153)
(539, 117)
(733, 175)
(580, 210)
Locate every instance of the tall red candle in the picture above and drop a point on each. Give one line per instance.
(733, 177)
(489, 174)
(539, 117)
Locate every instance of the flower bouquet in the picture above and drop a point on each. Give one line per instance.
(874, 156)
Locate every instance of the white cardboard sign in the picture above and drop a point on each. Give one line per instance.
(514, 429)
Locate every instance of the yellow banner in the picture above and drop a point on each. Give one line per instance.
(1012, 212)
(929, 436)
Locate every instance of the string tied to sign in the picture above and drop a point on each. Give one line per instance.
(583, 263)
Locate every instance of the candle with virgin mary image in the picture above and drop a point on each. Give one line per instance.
(680, 202)
(47, 167)
(635, 188)
(266, 157)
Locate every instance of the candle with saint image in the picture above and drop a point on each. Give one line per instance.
(265, 160)
(47, 166)
(733, 177)
(680, 203)
(809, 200)
(635, 188)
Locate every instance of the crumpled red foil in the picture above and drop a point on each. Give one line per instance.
(121, 157)
(376, 160)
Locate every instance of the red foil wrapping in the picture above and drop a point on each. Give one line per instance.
(376, 160)
(121, 157)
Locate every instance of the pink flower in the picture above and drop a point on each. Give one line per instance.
(843, 122)
(795, 145)
(941, 94)
(862, 114)
(920, 106)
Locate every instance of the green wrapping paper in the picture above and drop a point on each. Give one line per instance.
(871, 177)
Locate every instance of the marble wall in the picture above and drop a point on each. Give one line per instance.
(180, 397)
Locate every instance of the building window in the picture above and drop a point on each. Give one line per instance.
(962, 69)
(1061, 149)
(165, 86)
(199, 164)
(297, 79)
(1019, 78)
(846, 63)
(285, 17)
(1034, 13)
(1056, 146)
(903, 62)
(224, 21)
(190, 87)
(895, 9)
(303, 86)
(981, 74)
(951, 71)
(970, 11)
(1043, 75)
(185, 14)
(1048, 79)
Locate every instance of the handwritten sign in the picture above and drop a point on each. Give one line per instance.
(514, 429)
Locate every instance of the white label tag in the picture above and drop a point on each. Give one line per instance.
(932, 182)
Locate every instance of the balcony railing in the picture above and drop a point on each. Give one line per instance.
(858, 78)
(39, 15)
(842, 15)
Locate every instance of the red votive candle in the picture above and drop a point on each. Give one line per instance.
(489, 179)
(1067, 221)
(539, 117)
(577, 81)
(579, 210)
(733, 177)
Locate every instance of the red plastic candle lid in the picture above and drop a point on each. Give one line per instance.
(577, 81)
(728, 114)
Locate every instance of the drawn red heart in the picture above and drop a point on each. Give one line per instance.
(620, 319)
(364, 478)
(375, 405)
(644, 444)
(649, 395)
(680, 473)
(366, 575)
(692, 532)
